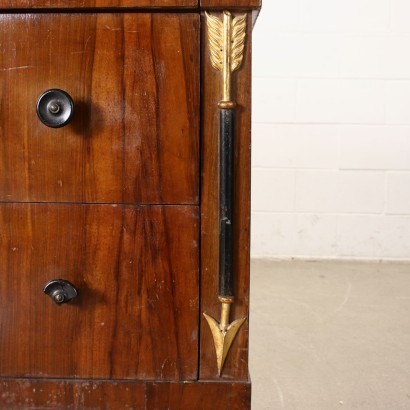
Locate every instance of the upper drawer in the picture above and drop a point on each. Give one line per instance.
(95, 3)
(134, 80)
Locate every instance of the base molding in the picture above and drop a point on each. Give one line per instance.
(21, 394)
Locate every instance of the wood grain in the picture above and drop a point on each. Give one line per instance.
(71, 4)
(234, 4)
(87, 395)
(136, 270)
(10, 4)
(134, 79)
(236, 366)
(198, 396)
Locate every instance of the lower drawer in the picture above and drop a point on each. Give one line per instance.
(136, 272)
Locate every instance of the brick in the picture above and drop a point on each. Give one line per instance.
(272, 234)
(273, 189)
(398, 193)
(375, 237)
(379, 56)
(375, 147)
(400, 16)
(315, 236)
(273, 100)
(340, 101)
(398, 102)
(295, 146)
(297, 55)
(346, 15)
(339, 191)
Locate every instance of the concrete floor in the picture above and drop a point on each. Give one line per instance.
(328, 335)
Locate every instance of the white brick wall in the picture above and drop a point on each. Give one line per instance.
(331, 130)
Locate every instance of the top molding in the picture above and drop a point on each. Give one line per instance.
(218, 4)
(84, 4)
(135, 4)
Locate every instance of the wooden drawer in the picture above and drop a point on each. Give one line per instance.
(134, 80)
(136, 271)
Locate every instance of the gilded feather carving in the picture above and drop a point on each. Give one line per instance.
(238, 41)
(216, 41)
(215, 36)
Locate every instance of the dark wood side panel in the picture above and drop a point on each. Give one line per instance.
(136, 270)
(100, 395)
(9, 4)
(236, 366)
(134, 79)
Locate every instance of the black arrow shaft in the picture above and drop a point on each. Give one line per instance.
(226, 201)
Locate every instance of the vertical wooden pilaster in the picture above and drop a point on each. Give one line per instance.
(236, 366)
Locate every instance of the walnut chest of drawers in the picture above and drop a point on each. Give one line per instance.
(110, 193)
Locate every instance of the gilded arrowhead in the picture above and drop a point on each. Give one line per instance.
(223, 338)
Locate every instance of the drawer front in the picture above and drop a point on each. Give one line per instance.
(136, 272)
(134, 82)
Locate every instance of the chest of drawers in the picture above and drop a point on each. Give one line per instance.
(113, 185)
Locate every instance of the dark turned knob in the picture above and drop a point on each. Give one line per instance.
(60, 290)
(55, 108)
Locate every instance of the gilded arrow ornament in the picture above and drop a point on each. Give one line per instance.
(236, 29)
(223, 333)
(226, 45)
